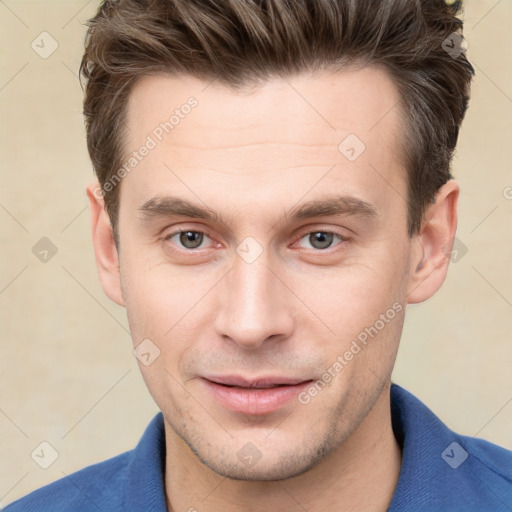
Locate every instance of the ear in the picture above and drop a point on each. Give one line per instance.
(434, 245)
(107, 258)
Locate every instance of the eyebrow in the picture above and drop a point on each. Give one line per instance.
(168, 206)
(332, 205)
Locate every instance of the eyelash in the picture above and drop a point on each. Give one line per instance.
(326, 250)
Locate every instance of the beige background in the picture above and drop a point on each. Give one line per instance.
(68, 375)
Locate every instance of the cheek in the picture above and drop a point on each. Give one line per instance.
(349, 298)
(150, 301)
(363, 305)
(165, 301)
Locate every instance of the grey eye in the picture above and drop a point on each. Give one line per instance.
(191, 239)
(320, 239)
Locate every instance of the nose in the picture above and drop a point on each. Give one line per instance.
(255, 304)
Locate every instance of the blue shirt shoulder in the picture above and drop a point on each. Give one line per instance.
(132, 481)
(442, 470)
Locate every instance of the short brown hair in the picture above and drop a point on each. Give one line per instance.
(239, 43)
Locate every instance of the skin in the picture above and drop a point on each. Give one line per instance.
(251, 157)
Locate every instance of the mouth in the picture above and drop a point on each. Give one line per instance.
(257, 382)
(255, 387)
(256, 396)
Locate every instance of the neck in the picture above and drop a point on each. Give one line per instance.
(360, 475)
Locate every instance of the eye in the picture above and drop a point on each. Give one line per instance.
(321, 239)
(188, 239)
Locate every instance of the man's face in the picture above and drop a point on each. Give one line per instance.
(265, 288)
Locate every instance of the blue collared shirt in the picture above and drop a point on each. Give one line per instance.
(441, 471)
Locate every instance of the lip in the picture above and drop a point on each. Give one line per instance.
(254, 396)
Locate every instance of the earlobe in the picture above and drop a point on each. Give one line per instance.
(434, 244)
(105, 250)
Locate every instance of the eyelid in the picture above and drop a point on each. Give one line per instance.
(321, 229)
(185, 230)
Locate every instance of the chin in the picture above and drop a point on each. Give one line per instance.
(261, 472)
(271, 465)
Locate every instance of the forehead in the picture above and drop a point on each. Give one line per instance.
(282, 135)
(321, 106)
